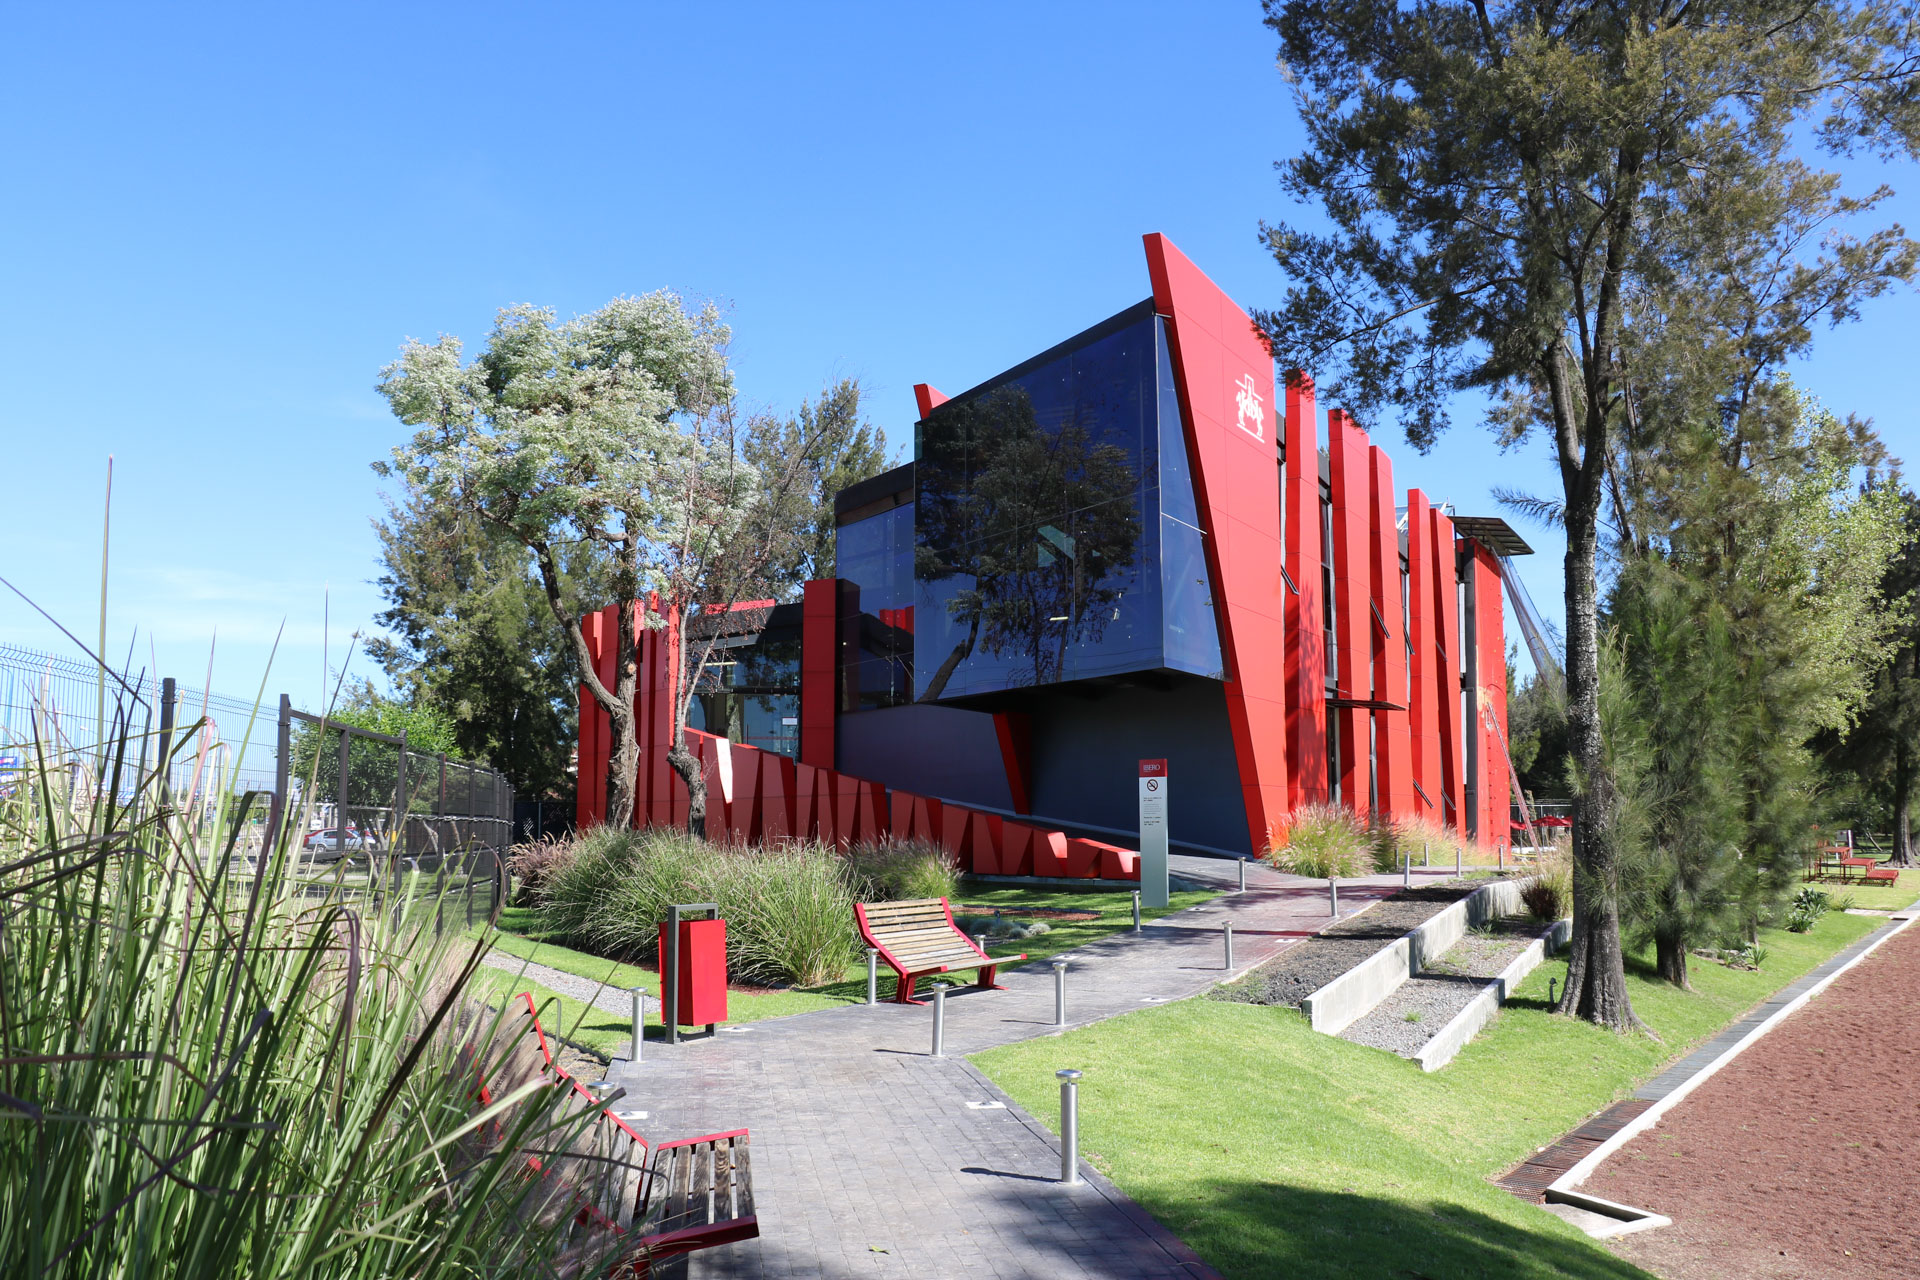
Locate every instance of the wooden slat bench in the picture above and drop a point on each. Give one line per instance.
(918, 937)
(694, 1194)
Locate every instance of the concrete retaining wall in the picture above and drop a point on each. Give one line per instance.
(1466, 1024)
(1354, 993)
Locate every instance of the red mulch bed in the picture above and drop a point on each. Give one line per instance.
(1802, 1157)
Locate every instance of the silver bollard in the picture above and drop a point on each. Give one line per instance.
(639, 1021)
(1243, 875)
(1406, 872)
(940, 1020)
(1136, 911)
(980, 941)
(1059, 993)
(1426, 854)
(873, 975)
(1500, 857)
(1226, 935)
(1069, 1126)
(1459, 855)
(1333, 897)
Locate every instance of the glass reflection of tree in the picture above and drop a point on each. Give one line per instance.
(762, 668)
(1046, 530)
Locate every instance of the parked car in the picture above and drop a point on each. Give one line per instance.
(338, 840)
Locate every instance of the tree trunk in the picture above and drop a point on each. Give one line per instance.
(687, 765)
(1596, 968)
(1902, 804)
(623, 753)
(1671, 958)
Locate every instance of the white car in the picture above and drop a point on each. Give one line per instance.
(336, 840)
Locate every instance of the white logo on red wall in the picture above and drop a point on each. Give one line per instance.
(1253, 410)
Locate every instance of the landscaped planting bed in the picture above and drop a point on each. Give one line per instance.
(1449, 985)
(1298, 972)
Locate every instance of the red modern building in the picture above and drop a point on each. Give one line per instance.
(1133, 546)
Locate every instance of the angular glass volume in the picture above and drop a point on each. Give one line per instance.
(1055, 532)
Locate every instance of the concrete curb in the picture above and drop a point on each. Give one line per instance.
(1465, 1025)
(1587, 1166)
(1352, 995)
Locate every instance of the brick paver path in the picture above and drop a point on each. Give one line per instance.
(867, 1158)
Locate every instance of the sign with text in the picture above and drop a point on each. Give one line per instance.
(1153, 833)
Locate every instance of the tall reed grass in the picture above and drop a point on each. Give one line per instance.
(212, 1067)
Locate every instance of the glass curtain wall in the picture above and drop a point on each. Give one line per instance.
(1056, 535)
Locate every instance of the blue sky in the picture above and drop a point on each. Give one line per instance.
(221, 223)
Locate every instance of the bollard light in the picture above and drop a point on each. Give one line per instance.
(1459, 853)
(1136, 911)
(1069, 1126)
(1426, 854)
(940, 1020)
(1333, 897)
(873, 975)
(1059, 993)
(1406, 872)
(1226, 935)
(1552, 996)
(1243, 875)
(639, 1021)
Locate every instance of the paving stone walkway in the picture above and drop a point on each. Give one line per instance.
(572, 985)
(868, 1159)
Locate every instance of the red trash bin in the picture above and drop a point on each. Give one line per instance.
(698, 974)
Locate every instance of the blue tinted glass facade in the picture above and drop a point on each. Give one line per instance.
(876, 656)
(1056, 536)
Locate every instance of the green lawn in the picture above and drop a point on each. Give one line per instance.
(1276, 1152)
(610, 1033)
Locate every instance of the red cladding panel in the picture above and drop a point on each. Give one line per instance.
(776, 797)
(1015, 731)
(745, 822)
(1352, 497)
(1306, 651)
(1392, 733)
(1225, 378)
(818, 671)
(590, 765)
(1423, 707)
(927, 398)
(1490, 662)
(1446, 618)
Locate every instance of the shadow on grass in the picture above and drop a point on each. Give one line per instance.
(1267, 1230)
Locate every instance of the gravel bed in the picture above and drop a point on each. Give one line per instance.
(1422, 1005)
(1298, 972)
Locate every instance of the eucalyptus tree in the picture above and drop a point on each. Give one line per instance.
(595, 431)
(1498, 181)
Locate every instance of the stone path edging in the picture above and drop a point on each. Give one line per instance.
(1358, 991)
(1699, 1075)
(1449, 1040)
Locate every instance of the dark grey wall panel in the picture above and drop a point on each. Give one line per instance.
(1086, 752)
(927, 749)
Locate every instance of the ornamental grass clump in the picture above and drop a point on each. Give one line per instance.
(1323, 841)
(1422, 841)
(890, 870)
(1548, 896)
(212, 1065)
(788, 908)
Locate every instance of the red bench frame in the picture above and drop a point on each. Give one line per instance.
(987, 969)
(665, 1244)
